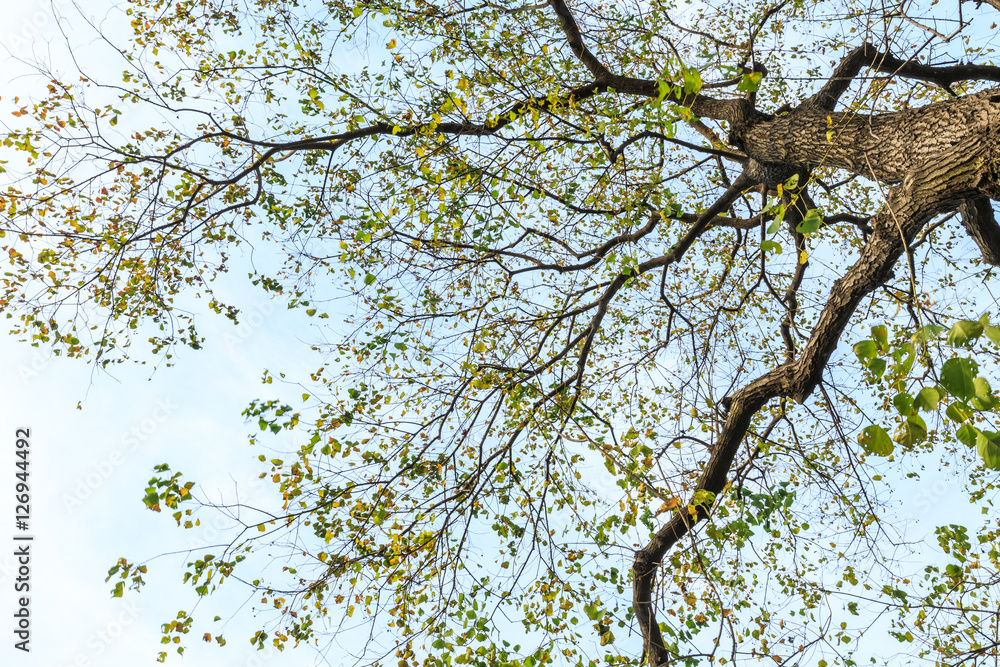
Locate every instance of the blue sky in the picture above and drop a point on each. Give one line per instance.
(88, 467)
(88, 470)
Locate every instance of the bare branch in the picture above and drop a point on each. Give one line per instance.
(868, 54)
(575, 40)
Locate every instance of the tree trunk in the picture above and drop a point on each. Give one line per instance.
(885, 147)
(944, 156)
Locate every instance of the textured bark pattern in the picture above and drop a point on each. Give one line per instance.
(930, 190)
(943, 156)
(981, 224)
(885, 147)
(993, 3)
(940, 157)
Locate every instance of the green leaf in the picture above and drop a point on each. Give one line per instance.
(770, 246)
(926, 333)
(692, 80)
(993, 333)
(959, 412)
(988, 446)
(903, 403)
(370, 278)
(881, 337)
(958, 377)
(664, 89)
(877, 367)
(913, 430)
(750, 83)
(964, 333)
(983, 399)
(967, 434)
(811, 222)
(866, 350)
(876, 441)
(927, 399)
(779, 215)
(904, 356)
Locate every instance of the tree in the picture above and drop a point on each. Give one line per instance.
(594, 261)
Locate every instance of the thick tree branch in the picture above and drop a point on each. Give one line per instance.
(886, 63)
(575, 40)
(993, 3)
(931, 190)
(701, 105)
(885, 147)
(981, 224)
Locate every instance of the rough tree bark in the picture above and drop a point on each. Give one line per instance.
(941, 157)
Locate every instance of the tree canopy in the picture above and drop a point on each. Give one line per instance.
(639, 320)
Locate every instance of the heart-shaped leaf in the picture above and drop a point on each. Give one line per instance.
(958, 377)
(876, 441)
